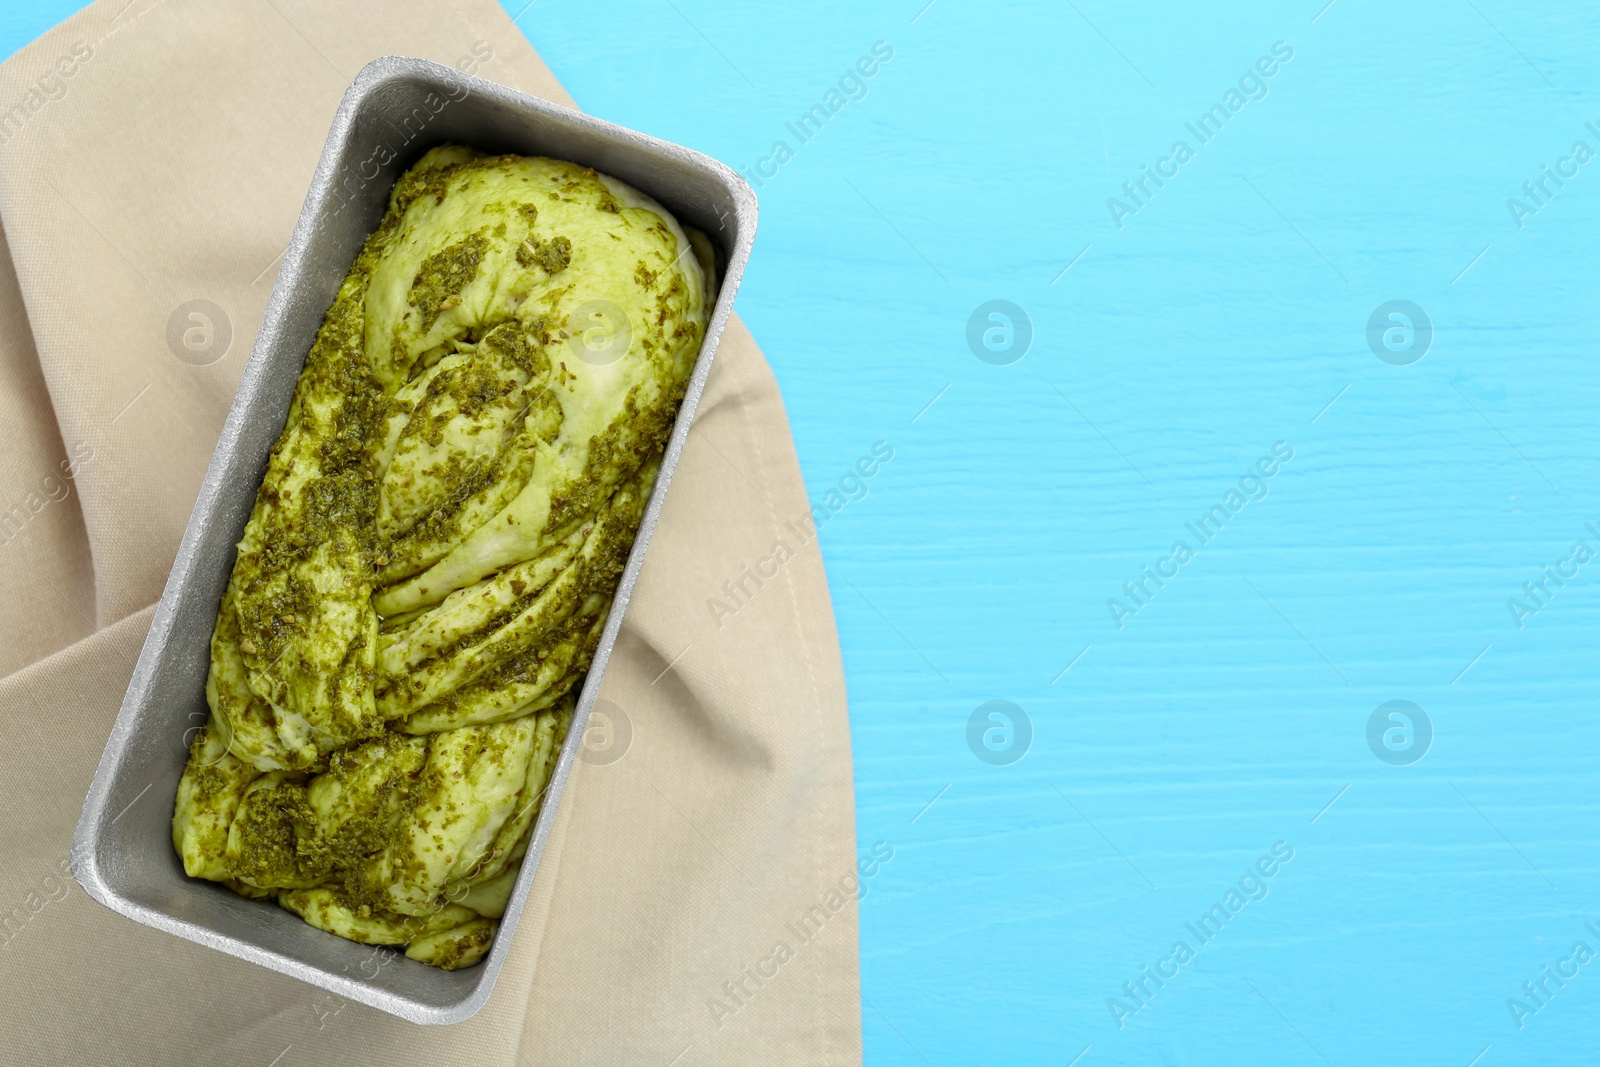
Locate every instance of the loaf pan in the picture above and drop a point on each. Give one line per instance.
(122, 853)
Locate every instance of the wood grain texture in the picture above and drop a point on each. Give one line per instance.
(1223, 316)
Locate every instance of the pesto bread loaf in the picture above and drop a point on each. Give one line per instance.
(435, 546)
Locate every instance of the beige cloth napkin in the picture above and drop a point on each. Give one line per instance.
(154, 153)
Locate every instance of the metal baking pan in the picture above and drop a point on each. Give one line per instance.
(122, 853)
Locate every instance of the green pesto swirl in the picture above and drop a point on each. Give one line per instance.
(435, 546)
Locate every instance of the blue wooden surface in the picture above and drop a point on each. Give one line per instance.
(1223, 316)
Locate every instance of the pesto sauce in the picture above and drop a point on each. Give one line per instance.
(444, 275)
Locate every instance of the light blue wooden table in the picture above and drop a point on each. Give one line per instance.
(1206, 755)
